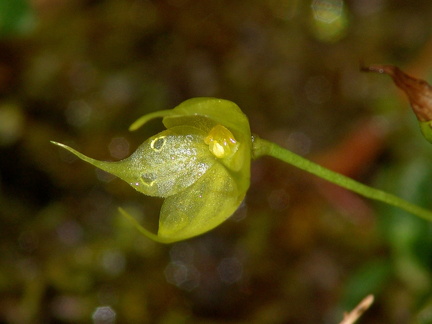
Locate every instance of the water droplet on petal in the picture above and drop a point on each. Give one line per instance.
(148, 178)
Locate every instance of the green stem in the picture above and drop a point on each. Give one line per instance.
(262, 148)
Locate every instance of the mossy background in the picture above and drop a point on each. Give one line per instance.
(298, 250)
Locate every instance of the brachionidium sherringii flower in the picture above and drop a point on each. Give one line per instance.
(200, 164)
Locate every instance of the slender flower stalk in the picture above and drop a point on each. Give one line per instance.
(262, 147)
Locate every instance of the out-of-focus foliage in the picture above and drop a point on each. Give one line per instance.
(16, 17)
(298, 250)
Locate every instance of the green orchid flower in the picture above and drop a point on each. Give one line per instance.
(200, 165)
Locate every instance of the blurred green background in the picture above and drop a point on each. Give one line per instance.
(298, 250)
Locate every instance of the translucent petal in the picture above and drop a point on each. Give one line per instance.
(201, 207)
(163, 165)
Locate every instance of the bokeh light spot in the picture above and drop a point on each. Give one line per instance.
(119, 147)
(113, 261)
(327, 10)
(184, 276)
(183, 252)
(330, 20)
(104, 315)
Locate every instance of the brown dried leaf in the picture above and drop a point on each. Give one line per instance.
(419, 92)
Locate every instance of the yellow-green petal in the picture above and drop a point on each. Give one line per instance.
(200, 208)
(163, 165)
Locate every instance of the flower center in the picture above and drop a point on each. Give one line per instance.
(221, 141)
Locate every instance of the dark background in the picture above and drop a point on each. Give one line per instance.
(298, 250)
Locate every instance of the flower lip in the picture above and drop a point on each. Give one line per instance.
(221, 142)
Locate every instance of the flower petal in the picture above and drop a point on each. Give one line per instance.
(201, 207)
(163, 165)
